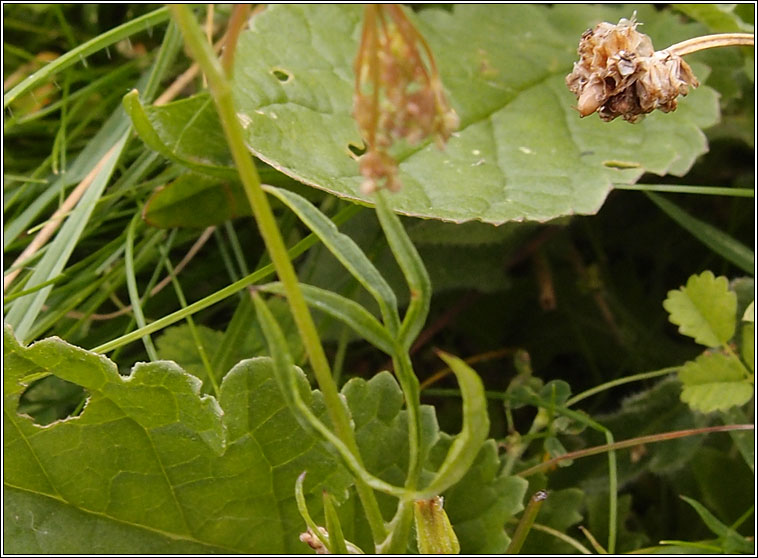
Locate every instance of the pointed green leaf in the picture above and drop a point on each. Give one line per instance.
(434, 533)
(717, 240)
(521, 151)
(187, 132)
(715, 381)
(345, 310)
(704, 309)
(345, 250)
(476, 426)
(732, 541)
(415, 273)
(150, 465)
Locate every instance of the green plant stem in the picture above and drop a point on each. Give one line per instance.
(527, 520)
(686, 189)
(131, 284)
(561, 536)
(222, 94)
(209, 370)
(621, 381)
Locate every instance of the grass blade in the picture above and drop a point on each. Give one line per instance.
(721, 243)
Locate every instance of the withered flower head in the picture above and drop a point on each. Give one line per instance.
(619, 73)
(396, 95)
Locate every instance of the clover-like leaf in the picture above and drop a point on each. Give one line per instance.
(521, 152)
(704, 309)
(715, 381)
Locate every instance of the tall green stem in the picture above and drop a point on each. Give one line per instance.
(222, 94)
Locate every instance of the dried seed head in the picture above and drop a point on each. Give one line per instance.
(619, 73)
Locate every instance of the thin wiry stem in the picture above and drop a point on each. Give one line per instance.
(711, 41)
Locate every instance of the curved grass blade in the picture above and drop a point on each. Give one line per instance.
(476, 426)
(75, 55)
(721, 243)
(25, 310)
(346, 251)
(413, 269)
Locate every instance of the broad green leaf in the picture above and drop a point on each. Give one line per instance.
(521, 153)
(156, 464)
(195, 200)
(478, 505)
(717, 240)
(381, 427)
(749, 315)
(720, 18)
(37, 524)
(715, 381)
(704, 309)
(748, 345)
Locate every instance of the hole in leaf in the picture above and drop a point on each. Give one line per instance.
(50, 399)
(281, 75)
(356, 150)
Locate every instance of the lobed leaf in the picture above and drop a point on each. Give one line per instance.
(151, 461)
(704, 309)
(715, 381)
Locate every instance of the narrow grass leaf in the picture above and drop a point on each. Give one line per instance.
(77, 54)
(413, 269)
(347, 311)
(25, 310)
(345, 250)
(721, 243)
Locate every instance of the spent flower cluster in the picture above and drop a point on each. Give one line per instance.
(619, 73)
(396, 95)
